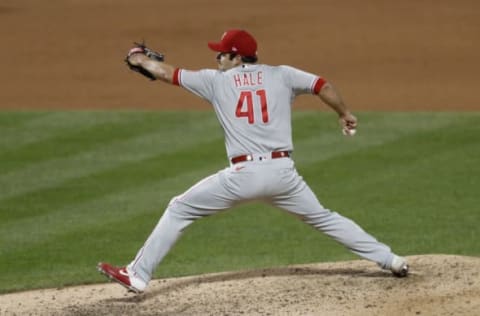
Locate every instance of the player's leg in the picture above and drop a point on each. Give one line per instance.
(298, 198)
(205, 198)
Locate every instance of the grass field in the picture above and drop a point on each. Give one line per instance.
(81, 187)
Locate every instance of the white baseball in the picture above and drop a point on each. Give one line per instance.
(349, 132)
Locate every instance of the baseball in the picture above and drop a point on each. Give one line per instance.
(349, 132)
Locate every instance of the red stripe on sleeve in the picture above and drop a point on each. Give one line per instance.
(176, 77)
(318, 85)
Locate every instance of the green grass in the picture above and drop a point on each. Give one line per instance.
(80, 187)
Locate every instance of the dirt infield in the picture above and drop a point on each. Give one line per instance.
(383, 55)
(439, 285)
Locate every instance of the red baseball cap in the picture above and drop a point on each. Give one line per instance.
(236, 41)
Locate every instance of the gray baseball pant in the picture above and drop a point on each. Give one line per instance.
(275, 181)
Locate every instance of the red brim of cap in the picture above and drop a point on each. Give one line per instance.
(217, 47)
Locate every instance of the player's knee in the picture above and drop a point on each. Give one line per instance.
(180, 210)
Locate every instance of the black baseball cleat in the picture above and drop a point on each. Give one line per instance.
(123, 276)
(399, 267)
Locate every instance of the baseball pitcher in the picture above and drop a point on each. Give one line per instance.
(253, 104)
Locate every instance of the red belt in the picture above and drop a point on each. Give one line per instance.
(274, 155)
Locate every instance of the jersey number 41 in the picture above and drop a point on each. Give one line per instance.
(245, 105)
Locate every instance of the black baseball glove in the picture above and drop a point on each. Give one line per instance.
(142, 49)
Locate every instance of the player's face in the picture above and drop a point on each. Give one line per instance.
(225, 62)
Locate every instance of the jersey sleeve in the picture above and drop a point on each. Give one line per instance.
(198, 82)
(302, 82)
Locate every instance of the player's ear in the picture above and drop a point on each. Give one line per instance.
(237, 59)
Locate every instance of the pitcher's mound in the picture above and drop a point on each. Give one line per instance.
(438, 285)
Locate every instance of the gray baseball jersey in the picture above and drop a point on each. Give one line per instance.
(253, 104)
